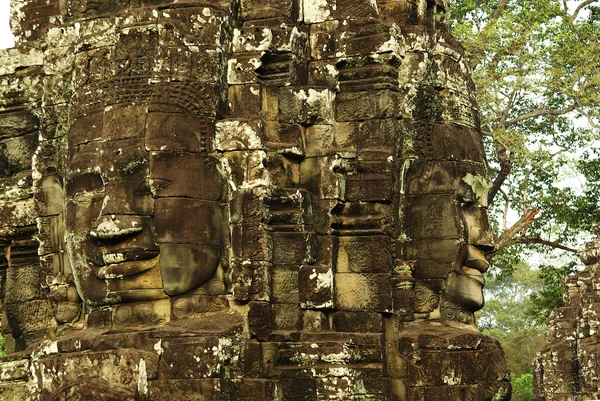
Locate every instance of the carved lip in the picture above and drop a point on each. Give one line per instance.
(474, 274)
(122, 255)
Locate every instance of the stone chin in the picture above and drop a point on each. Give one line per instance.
(464, 291)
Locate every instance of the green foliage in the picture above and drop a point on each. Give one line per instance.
(522, 388)
(518, 300)
(550, 295)
(2, 346)
(536, 67)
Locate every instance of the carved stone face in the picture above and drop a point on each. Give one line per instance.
(447, 221)
(141, 212)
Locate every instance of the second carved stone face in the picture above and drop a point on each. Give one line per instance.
(142, 216)
(447, 221)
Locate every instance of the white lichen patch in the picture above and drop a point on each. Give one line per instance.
(110, 228)
(142, 382)
(238, 135)
(452, 379)
(114, 258)
(317, 10)
(11, 59)
(159, 348)
(323, 280)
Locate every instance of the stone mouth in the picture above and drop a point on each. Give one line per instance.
(126, 268)
(474, 274)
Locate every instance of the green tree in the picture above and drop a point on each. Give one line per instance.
(522, 388)
(536, 67)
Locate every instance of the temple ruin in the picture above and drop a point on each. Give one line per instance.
(242, 200)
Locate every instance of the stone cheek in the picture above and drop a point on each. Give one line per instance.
(242, 201)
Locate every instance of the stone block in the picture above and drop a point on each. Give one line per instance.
(318, 175)
(190, 25)
(316, 286)
(285, 138)
(358, 322)
(315, 320)
(357, 9)
(285, 284)
(319, 140)
(86, 129)
(14, 370)
(29, 316)
(187, 64)
(190, 175)
(178, 132)
(207, 389)
(298, 389)
(142, 313)
(24, 284)
(241, 68)
(293, 248)
(360, 106)
(433, 217)
(250, 390)
(362, 254)
(188, 97)
(322, 74)
(312, 106)
(286, 317)
(260, 319)
(15, 391)
(251, 281)
(257, 10)
(347, 136)
(366, 291)
(125, 122)
(245, 100)
(194, 357)
(351, 387)
(122, 368)
(250, 241)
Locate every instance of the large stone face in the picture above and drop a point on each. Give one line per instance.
(567, 367)
(242, 201)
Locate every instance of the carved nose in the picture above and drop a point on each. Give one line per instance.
(115, 227)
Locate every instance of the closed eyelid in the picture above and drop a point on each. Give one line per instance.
(158, 184)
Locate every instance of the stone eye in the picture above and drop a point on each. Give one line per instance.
(156, 185)
(143, 188)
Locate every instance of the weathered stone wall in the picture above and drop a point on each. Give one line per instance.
(567, 367)
(242, 201)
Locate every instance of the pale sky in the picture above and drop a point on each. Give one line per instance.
(6, 38)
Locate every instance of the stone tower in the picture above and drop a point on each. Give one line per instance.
(566, 369)
(242, 200)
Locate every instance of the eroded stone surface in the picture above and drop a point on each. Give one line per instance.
(242, 201)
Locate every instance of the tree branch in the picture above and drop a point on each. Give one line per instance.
(580, 7)
(505, 169)
(507, 237)
(538, 113)
(500, 6)
(539, 241)
(590, 119)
